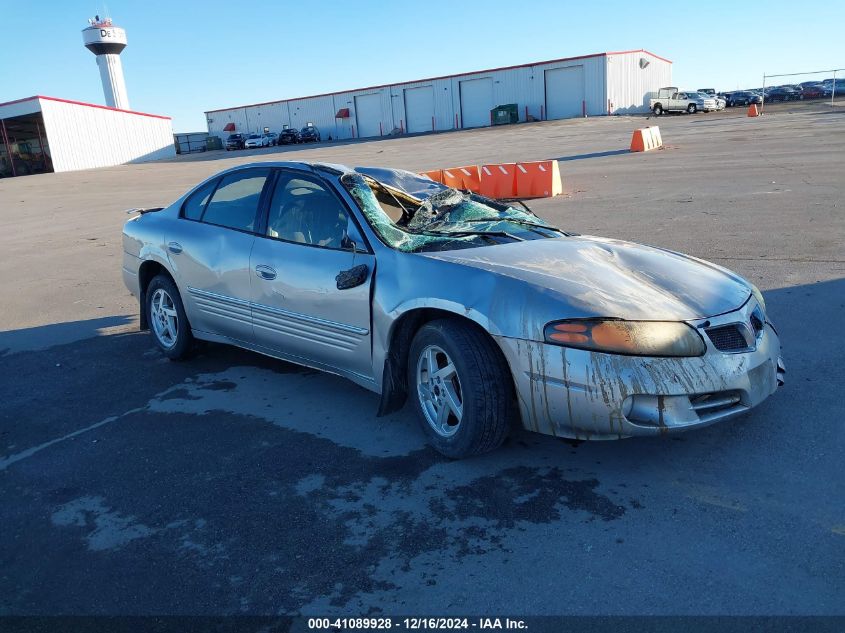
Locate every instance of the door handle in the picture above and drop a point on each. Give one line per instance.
(174, 247)
(265, 272)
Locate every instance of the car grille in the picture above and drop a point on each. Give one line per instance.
(712, 406)
(728, 338)
(713, 402)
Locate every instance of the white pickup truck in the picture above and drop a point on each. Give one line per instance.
(672, 100)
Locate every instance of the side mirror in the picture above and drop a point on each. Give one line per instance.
(348, 242)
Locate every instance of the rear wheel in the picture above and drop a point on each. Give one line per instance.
(692, 108)
(658, 109)
(166, 316)
(461, 387)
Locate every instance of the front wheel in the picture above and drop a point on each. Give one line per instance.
(692, 108)
(461, 387)
(658, 109)
(167, 320)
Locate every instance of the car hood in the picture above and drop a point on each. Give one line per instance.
(597, 277)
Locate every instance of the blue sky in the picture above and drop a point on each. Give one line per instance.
(187, 57)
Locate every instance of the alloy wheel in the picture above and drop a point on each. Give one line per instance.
(164, 318)
(439, 391)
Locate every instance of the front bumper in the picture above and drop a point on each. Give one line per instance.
(589, 395)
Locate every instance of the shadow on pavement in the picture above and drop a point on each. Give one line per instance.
(615, 152)
(45, 336)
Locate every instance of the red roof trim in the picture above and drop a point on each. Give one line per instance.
(415, 81)
(88, 105)
(640, 50)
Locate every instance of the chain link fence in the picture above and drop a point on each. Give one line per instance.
(819, 85)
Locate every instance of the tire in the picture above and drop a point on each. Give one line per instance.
(692, 108)
(162, 297)
(658, 109)
(480, 384)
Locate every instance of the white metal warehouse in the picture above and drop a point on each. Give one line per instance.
(589, 85)
(45, 134)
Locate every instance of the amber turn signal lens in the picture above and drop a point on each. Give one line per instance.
(612, 334)
(570, 327)
(568, 337)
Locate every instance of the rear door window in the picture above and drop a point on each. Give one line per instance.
(235, 203)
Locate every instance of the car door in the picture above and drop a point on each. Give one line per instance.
(301, 307)
(209, 249)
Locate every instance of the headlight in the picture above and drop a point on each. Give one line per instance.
(755, 292)
(637, 338)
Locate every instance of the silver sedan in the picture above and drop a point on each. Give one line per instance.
(481, 313)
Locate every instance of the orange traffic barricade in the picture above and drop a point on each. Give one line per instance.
(435, 174)
(752, 110)
(466, 178)
(499, 180)
(538, 179)
(655, 136)
(646, 139)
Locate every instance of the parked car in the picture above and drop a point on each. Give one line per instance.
(815, 91)
(479, 312)
(235, 141)
(710, 103)
(256, 140)
(721, 102)
(309, 134)
(782, 93)
(838, 85)
(289, 135)
(710, 93)
(671, 100)
(272, 138)
(742, 98)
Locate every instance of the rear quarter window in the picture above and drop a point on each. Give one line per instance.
(193, 207)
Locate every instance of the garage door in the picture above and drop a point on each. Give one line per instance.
(476, 102)
(564, 92)
(419, 109)
(368, 115)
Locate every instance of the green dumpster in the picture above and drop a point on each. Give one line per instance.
(213, 142)
(504, 114)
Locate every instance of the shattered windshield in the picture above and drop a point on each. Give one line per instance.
(414, 213)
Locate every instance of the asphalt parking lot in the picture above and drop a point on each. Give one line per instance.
(235, 484)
